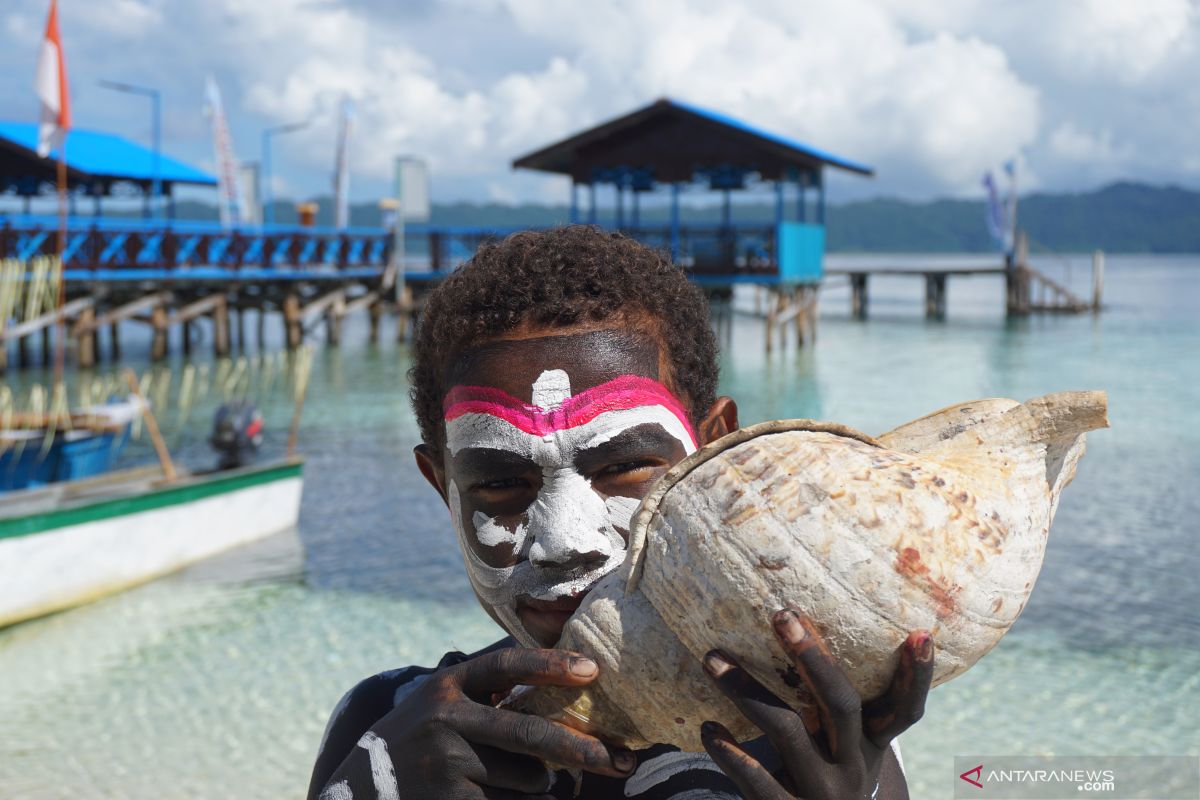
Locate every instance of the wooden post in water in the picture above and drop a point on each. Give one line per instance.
(291, 321)
(1097, 279)
(935, 295)
(220, 321)
(405, 309)
(114, 341)
(333, 321)
(376, 311)
(47, 347)
(86, 340)
(159, 344)
(858, 295)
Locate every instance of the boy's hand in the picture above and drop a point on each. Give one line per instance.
(446, 740)
(837, 747)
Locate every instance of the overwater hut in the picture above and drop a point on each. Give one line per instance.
(670, 147)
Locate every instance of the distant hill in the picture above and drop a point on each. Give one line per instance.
(1122, 217)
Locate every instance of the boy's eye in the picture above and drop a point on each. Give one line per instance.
(502, 483)
(628, 466)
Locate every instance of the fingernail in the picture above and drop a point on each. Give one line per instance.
(583, 667)
(624, 760)
(708, 728)
(788, 626)
(923, 648)
(716, 664)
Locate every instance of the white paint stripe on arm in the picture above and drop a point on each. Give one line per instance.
(653, 771)
(382, 771)
(337, 791)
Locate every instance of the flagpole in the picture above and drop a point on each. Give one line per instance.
(60, 337)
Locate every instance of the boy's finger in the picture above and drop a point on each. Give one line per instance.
(766, 712)
(505, 770)
(480, 677)
(551, 742)
(837, 700)
(751, 777)
(903, 704)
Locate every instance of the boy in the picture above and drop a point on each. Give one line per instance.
(557, 376)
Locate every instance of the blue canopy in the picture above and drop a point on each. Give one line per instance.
(92, 155)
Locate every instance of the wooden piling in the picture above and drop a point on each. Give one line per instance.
(220, 321)
(405, 310)
(159, 344)
(85, 339)
(935, 295)
(114, 341)
(376, 311)
(1097, 279)
(858, 295)
(291, 321)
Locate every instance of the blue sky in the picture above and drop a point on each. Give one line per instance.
(931, 93)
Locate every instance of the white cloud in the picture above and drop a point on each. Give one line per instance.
(931, 93)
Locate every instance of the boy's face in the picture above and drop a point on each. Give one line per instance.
(552, 439)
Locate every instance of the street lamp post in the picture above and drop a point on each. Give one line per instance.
(268, 214)
(156, 127)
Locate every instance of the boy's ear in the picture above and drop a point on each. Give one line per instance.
(720, 420)
(431, 467)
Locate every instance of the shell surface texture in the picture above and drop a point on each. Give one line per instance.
(940, 524)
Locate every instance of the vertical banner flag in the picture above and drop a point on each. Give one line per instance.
(229, 193)
(341, 167)
(1001, 216)
(50, 83)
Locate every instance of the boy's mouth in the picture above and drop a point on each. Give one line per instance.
(544, 619)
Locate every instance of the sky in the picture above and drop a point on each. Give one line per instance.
(931, 93)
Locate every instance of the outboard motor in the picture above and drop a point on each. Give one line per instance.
(237, 433)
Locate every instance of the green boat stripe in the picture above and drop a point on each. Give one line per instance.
(148, 501)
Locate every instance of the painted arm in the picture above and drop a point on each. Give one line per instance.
(444, 739)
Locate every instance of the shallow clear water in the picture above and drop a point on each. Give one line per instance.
(217, 682)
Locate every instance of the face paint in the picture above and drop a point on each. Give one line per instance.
(569, 536)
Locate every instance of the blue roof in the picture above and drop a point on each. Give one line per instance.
(725, 119)
(103, 155)
(670, 140)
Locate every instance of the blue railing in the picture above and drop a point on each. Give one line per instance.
(113, 246)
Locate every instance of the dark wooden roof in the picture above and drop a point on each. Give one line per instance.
(672, 141)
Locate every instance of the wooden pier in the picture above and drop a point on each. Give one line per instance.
(1027, 290)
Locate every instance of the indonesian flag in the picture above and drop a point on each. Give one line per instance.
(50, 83)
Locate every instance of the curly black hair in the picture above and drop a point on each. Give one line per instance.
(562, 277)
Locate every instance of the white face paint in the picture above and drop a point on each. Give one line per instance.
(570, 536)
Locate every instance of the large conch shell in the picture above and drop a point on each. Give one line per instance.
(940, 524)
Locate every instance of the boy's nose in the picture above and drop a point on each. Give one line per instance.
(565, 558)
(569, 524)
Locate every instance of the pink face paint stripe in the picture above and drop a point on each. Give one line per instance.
(625, 392)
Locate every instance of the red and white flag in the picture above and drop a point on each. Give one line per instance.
(50, 83)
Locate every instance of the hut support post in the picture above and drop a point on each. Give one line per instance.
(114, 341)
(1097, 279)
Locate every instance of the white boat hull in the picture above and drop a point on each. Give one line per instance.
(93, 549)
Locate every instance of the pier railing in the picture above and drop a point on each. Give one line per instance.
(124, 244)
(108, 248)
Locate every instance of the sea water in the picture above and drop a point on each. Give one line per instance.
(217, 682)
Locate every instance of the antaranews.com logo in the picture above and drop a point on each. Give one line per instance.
(1070, 777)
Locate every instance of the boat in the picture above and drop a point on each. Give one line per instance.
(68, 543)
(84, 444)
